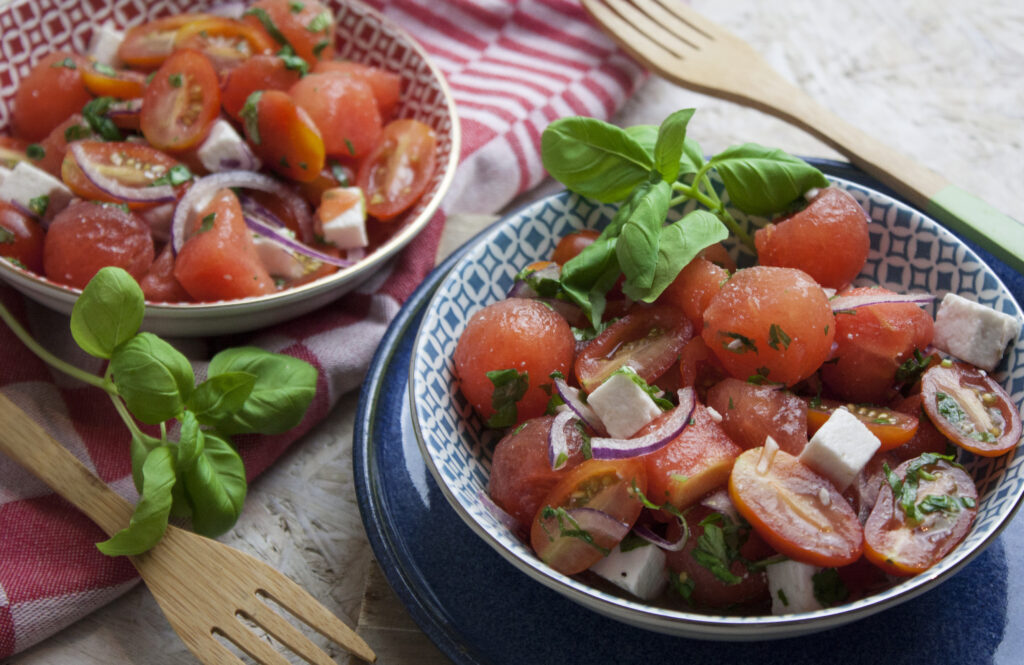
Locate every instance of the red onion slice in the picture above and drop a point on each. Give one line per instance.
(504, 518)
(572, 399)
(664, 543)
(147, 194)
(842, 303)
(280, 236)
(599, 524)
(720, 502)
(558, 442)
(667, 429)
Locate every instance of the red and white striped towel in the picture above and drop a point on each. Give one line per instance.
(513, 66)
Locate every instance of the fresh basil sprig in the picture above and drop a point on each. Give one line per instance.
(199, 474)
(649, 170)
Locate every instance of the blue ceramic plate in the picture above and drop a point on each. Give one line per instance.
(472, 602)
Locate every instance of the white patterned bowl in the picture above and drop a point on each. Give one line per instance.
(909, 252)
(29, 29)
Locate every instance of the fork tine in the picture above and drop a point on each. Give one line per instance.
(628, 37)
(643, 18)
(694, 20)
(208, 650)
(299, 602)
(286, 633)
(249, 642)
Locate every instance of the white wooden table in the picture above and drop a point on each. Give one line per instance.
(941, 80)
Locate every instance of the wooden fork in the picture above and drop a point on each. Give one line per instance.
(205, 588)
(676, 42)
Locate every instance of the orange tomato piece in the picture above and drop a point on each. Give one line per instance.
(283, 135)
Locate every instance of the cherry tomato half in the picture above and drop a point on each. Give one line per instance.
(783, 500)
(648, 339)
(132, 165)
(891, 427)
(105, 81)
(146, 46)
(283, 135)
(307, 26)
(560, 539)
(970, 408)
(260, 72)
(909, 535)
(181, 102)
(21, 238)
(226, 42)
(396, 172)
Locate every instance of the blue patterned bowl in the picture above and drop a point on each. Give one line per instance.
(909, 252)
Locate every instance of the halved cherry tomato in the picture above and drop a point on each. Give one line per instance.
(260, 72)
(225, 41)
(970, 408)
(648, 339)
(386, 86)
(51, 92)
(283, 135)
(751, 412)
(344, 110)
(146, 46)
(51, 151)
(891, 427)
(306, 26)
(798, 512)
(597, 485)
(396, 172)
(908, 534)
(132, 165)
(572, 244)
(21, 238)
(105, 81)
(181, 102)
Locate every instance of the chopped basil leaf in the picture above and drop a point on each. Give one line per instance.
(568, 528)
(654, 393)
(320, 46)
(207, 222)
(95, 112)
(268, 24)
(177, 175)
(782, 597)
(250, 116)
(296, 7)
(339, 174)
(509, 387)
(738, 343)
(104, 69)
(76, 132)
(175, 80)
(905, 490)
(351, 148)
(829, 589)
(6, 236)
(777, 335)
(66, 63)
(35, 152)
(39, 204)
(321, 21)
(149, 77)
(909, 373)
(682, 584)
(292, 61)
(110, 204)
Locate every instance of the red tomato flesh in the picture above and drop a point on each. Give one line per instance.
(21, 238)
(283, 135)
(398, 169)
(260, 72)
(52, 91)
(181, 102)
(751, 412)
(343, 109)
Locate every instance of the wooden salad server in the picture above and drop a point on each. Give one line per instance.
(679, 44)
(208, 590)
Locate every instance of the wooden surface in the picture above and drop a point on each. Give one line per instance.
(940, 80)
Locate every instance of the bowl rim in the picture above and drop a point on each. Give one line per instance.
(697, 625)
(355, 274)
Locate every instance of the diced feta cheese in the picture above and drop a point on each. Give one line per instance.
(26, 187)
(105, 41)
(791, 585)
(973, 332)
(225, 150)
(622, 405)
(4, 172)
(279, 261)
(840, 448)
(640, 571)
(347, 229)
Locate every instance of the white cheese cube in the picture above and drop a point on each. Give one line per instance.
(973, 332)
(105, 41)
(224, 149)
(347, 230)
(4, 172)
(640, 571)
(623, 406)
(280, 261)
(791, 585)
(840, 448)
(26, 186)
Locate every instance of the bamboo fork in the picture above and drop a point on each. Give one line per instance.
(205, 588)
(689, 50)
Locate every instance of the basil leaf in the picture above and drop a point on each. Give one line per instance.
(221, 394)
(691, 159)
(141, 446)
(191, 441)
(762, 180)
(589, 275)
(669, 147)
(108, 313)
(250, 115)
(216, 487)
(680, 242)
(283, 390)
(153, 377)
(637, 248)
(509, 387)
(594, 158)
(149, 521)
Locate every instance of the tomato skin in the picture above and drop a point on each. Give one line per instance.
(818, 533)
(220, 262)
(699, 368)
(748, 322)
(694, 463)
(519, 334)
(343, 109)
(48, 95)
(648, 339)
(87, 236)
(828, 239)
(147, 45)
(121, 84)
(902, 547)
(569, 246)
(181, 102)
(871, 344)
(386, 86)
(130, 163)
(225, 41)
(601, 485)
(159, 284)
(892, 427)
(751, 412)
(21, 238)
(692, 290)
(397, 171)
(521, 473)
(285, 139)
(294, 26)
(927, 438)
(260, 72)
(970, 408)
